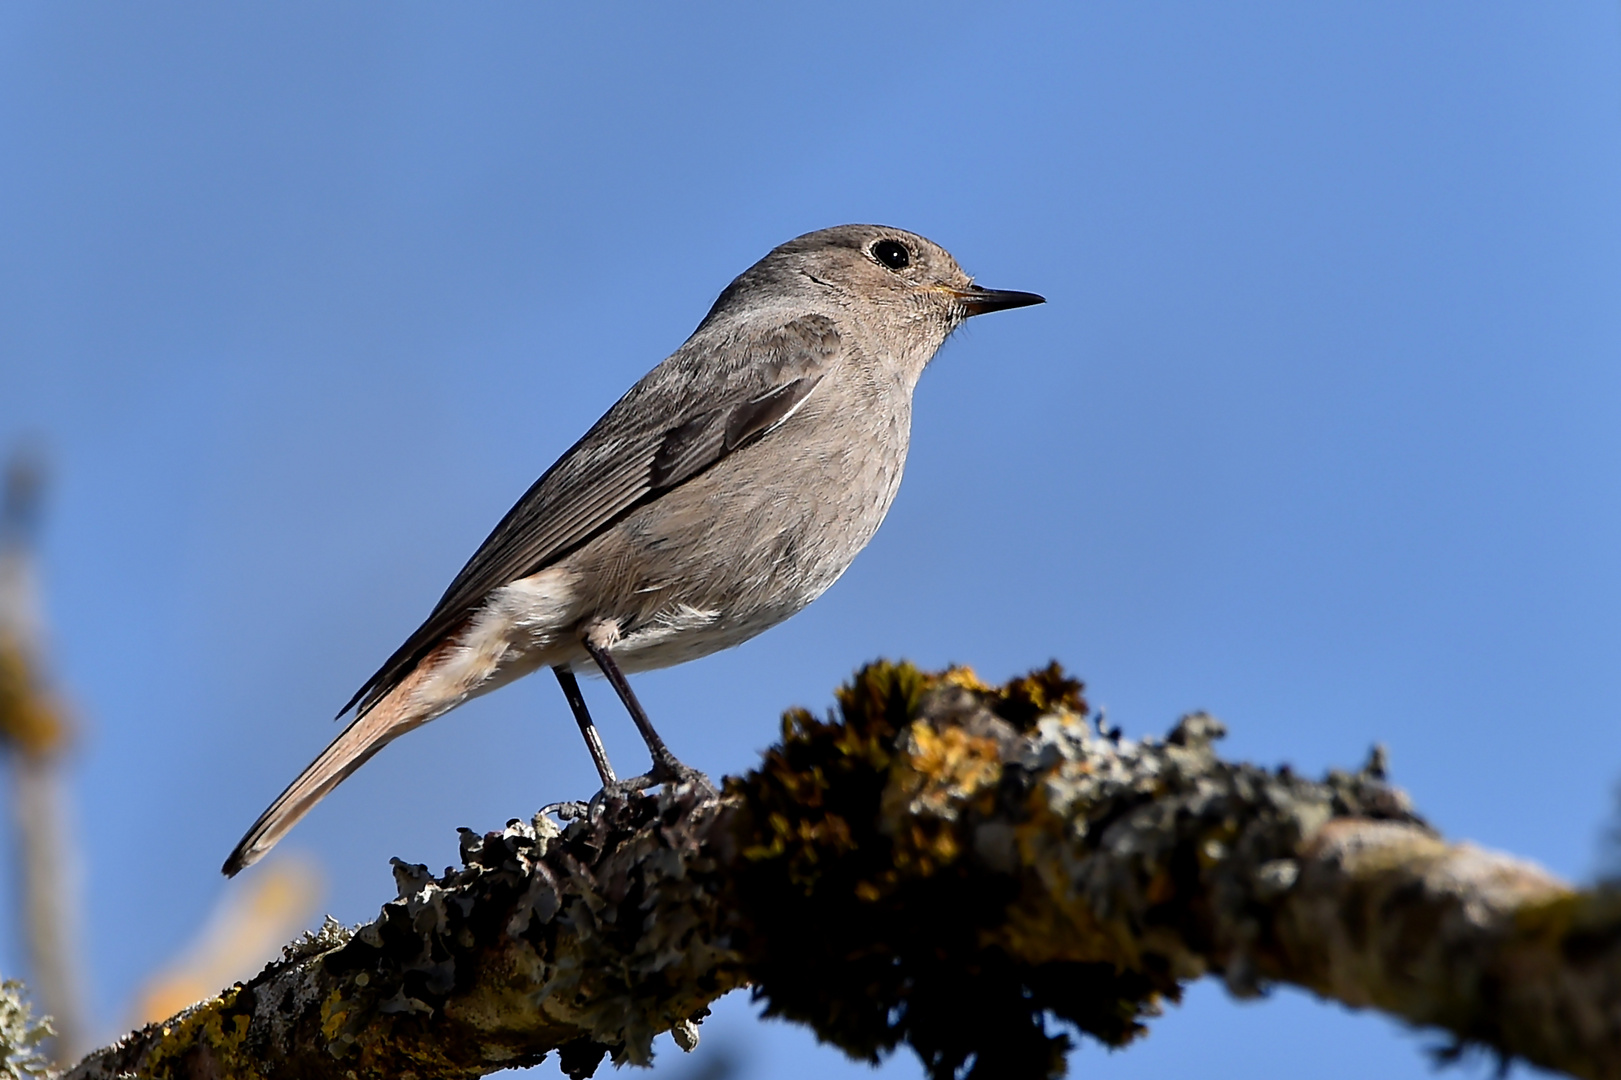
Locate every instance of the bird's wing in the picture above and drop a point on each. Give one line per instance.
(711, 401)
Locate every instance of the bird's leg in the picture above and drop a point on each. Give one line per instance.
(593, 741)
(665, 766)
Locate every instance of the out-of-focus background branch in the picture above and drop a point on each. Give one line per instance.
(249, 923)
(36, 735)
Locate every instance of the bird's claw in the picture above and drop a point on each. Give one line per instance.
(668, 773)
(672, 772)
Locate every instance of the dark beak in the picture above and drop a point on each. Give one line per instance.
(978, 300)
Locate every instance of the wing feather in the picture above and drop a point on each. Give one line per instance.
(714, 398)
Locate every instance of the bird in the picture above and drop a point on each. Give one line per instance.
(726, 490)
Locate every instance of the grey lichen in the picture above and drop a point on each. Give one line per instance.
(21, 1035)
(330, 935)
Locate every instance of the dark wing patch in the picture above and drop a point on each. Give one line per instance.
(705, 439)
(723, 398)
(765, 412)
(687, 448)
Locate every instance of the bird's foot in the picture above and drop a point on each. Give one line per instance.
(671, 772)
(619, 790)
(668, 772)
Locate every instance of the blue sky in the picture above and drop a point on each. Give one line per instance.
(1318, 430)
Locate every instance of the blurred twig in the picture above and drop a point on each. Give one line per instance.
(246, 931)
(35, 733)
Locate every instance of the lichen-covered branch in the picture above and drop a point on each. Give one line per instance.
(968, 870)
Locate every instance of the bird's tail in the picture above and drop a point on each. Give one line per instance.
(368, 733)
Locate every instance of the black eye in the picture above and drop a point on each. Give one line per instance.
(893, 255)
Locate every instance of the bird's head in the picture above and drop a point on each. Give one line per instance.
(904, 288)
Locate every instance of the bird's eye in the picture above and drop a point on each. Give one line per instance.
(891, 254)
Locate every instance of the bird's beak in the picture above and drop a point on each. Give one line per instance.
(979, 300)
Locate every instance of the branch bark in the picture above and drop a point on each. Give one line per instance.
(968, 870)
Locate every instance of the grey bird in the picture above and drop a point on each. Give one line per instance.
(725, 491)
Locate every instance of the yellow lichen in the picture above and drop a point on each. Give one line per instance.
(940, 772)
(963, 677)
(205, 1024)
(334, 1014)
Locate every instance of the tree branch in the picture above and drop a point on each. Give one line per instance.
(948, 865)
(35, 738)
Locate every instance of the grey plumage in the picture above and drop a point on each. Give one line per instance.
(727, 489)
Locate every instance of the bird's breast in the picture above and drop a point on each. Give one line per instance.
(759, 535)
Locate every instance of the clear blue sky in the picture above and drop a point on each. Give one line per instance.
(1320, 429)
